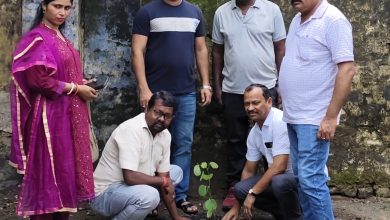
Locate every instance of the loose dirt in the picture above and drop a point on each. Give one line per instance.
(344, 208)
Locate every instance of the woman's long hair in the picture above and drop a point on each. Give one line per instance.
(39, 14)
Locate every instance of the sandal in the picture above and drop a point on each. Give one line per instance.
(154, 213)
(187, 207)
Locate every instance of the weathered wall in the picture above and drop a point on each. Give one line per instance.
(360, 155)
(10, 30)
(107, 31)
(362, 148)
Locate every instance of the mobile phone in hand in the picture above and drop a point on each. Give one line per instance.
(99, 82)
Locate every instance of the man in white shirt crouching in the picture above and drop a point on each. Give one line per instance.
(276, 190)
(135, 169)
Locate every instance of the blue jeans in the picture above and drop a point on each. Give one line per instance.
(309, 157)
(182, 131)
(121, 201)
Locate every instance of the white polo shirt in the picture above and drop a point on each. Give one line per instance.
(309, 68)
(274, 131)
(249, 55)
(132, 147)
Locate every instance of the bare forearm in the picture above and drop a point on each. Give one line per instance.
(138, 51)
(266, 179)
(278, 166)
(278, 59)
(167, 193)
(138, 178)
(169, 202)
(139, 69)
(217, 57)
(342, 89)
(279, 48)
(246, 174)
(202, 62)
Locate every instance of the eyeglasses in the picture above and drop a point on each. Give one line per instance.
(159, 114)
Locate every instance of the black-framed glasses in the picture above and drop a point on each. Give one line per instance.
(159, 114)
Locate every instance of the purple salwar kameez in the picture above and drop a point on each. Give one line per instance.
(50, 129)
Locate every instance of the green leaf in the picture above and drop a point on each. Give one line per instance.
(205, 205)
(202, 177)
(207, 177)
(202, 190)
(197, 171)
(214, 203)
(210, 205)
(214, 165)
(203, 165)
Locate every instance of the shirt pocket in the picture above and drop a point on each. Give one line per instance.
(311, 48)
(268, 143)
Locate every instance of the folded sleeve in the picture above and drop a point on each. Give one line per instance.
(38, 80)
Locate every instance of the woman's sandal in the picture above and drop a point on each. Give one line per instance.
(187, 207)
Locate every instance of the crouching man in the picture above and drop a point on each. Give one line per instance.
(134, 169)
(276, 190)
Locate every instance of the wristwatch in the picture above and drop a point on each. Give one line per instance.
(252, 193)
(207, 87)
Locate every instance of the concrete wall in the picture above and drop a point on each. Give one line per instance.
(107, 31)
(360, 155)
(10, 30)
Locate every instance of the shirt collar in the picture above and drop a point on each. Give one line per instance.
(321, 9)
(268, 120)
(256, 5)
(143, 121)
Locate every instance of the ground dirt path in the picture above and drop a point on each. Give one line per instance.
(344, 208)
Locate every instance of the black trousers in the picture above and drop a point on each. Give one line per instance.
(280, 198)
(237, 126)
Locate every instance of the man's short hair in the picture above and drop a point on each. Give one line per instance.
(266, 92)
(167, 99)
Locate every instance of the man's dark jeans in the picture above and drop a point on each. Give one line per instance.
(280, 198)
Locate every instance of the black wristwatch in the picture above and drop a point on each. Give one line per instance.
(252, 193)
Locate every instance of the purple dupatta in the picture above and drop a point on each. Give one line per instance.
(50, 130)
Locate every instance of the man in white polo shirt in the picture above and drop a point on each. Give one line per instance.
(248, 47)
(315, 79)
(276, 190)
(135, 166)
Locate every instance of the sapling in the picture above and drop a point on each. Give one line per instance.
(204, 171)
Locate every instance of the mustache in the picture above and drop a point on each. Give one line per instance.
(293, 1)
(251, 112)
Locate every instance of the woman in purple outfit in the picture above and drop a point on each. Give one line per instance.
(50, 125)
